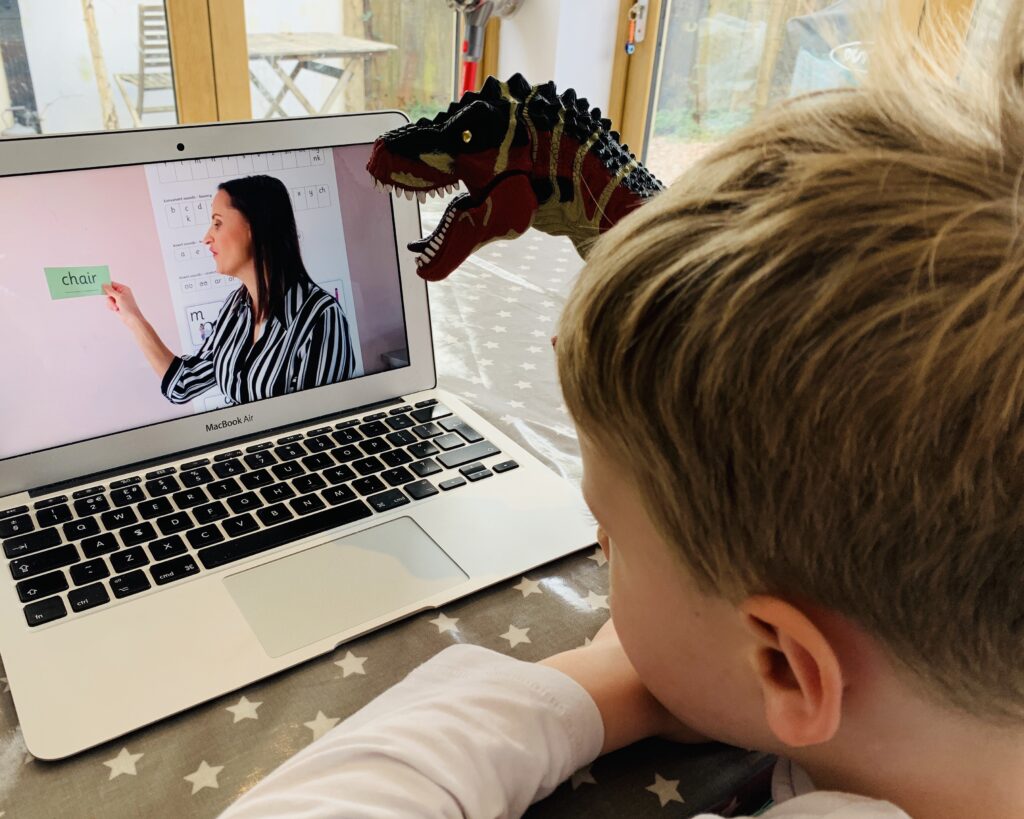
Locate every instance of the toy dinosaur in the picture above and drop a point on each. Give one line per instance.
(527, 157)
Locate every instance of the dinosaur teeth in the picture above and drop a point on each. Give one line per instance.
(421, 196)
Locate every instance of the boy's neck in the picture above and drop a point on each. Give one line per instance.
(930, 762)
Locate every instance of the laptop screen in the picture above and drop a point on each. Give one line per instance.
(189, 329)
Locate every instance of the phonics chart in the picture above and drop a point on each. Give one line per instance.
(181, 193)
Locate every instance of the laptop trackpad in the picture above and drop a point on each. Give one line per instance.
(336, 586)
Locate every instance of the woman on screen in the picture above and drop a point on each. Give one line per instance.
(277, 333)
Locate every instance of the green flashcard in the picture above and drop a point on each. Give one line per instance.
(72, 282)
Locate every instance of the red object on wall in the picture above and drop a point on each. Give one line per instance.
(468, 82)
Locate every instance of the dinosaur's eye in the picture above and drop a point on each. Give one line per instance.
(467, 136)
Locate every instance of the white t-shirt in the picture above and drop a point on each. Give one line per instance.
(474, 733)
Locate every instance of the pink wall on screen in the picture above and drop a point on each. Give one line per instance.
(370, 243)
(70, 367)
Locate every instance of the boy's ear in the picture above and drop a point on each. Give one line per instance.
(798, 671)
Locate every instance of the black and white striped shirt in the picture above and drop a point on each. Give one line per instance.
(310, 348)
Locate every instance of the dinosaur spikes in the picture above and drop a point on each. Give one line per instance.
(491, 89)
(547, 92)
(519, 87)
(582, 105)
(468, 97)
(606, 124)
(569, 98)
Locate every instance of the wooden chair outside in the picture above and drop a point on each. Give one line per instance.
(154, 72)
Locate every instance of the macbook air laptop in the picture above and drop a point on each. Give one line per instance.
(159, 552)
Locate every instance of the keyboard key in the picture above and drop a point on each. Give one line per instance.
(373, 429)
(427, 430)
(314, 463)
(287, 439)
(91, 506)
(15, 510)
(277, 492)
(289, 452)
(164, 548)
(420, 490)
(374, 446)
(400, 410)
(365, 486)
(44, 561)
(31, 542)
(451, 483)
(320, 443)
(424, 449)
(473, 452)
(375, 416)
(209, 513)
(88, 597)
(449, 440)
(466, 431)
(42, 586)
(400, 422)
(195, 464)
(174, 570)
(258, 460)
(78, 529)
(160, 473)
(272, 515)
(338, 494)
(479, 475)
(285, 533)
(134, 535)
(396, 457)
(347, 436)
(344, 454)
(306, 504)
(126, 482)
(397, 476)
(127, 495)
(403, 438)
(132, 583)
(128, 559)
(100, 545)
(44, 611)
(116, 518)
(367, 466)
(227, 456)
(174, 522)
(54, 516)
(338, 474)
(240, 525)
(82, 493)
(245, 503)
(429, 402)
(476, 466)
(254, 480)
(431, 413)
(425, 467)
(155, 508)
(351, 422)
(387, 500)
(505, 466)
(222, 489)
(225, 469)
(205, 536)
(56, 500)
(318, 431)
(190, 498)
(308, 483)
(196, 477)
(162, 486)
(288, 470)
(82, 573)
(16, 526)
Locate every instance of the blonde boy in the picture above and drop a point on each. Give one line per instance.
(798, 378)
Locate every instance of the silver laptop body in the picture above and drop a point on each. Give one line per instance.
(196, 619)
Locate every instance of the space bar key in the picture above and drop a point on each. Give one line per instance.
(239, 547)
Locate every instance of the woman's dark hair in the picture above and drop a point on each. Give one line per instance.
(266, 205)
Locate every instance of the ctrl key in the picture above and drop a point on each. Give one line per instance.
(44, 611)
(87, 597)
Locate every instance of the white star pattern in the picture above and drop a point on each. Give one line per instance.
(515, 636)
(484, 362)
(524, 385)
(444, 623)
(597, 601)
(497, 328)
(508, 419)
(516, 404)
(351, 664)
(528, 587)
(583, 777)
(491, 345)
(504, 314)
(526, 365)
(510, 299)
(533, 348)
(598, 557)
(667, 790)
(244, 710)
(321, 725)
(205, 776)
(547, 303)
(538, 333)
(123, 763)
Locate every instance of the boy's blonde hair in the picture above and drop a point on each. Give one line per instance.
(808, 354)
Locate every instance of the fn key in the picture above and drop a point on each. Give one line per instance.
(44, 611)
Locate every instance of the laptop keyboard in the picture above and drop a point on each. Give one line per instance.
(110, 541)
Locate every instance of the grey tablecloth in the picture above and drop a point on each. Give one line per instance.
(492, 323)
